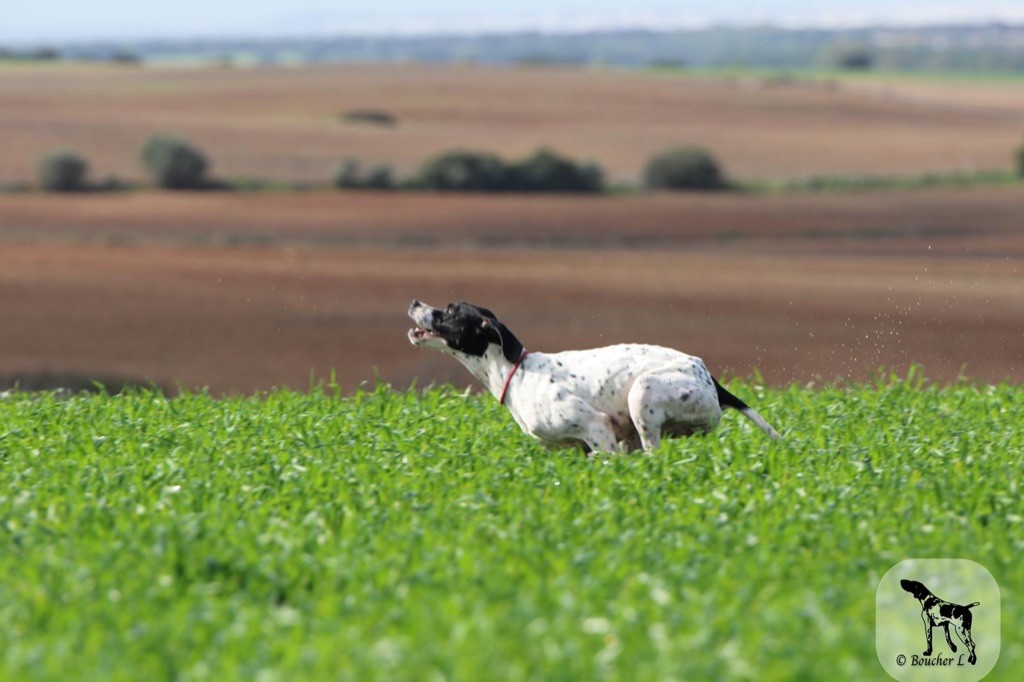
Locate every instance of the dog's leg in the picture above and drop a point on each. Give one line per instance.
(927, 632)
(964, 633)
(650, 435)
(576, 419)
(671, 400)
(600, 436)
(952, 647)
(648, 429)
(646, 415)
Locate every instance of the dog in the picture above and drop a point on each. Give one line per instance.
(612, 399)
(936, 612)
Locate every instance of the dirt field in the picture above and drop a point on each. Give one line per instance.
(283, 123)
(981, 221)
(240, 293)
(242, 320)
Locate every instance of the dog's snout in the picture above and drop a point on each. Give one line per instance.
(415, 303)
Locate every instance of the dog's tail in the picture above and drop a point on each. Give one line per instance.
(726, 399)
(972, 605)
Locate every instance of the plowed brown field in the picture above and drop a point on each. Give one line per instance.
(241, 292)
(979, 221)
(284, 123)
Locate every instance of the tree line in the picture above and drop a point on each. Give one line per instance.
(174, 163)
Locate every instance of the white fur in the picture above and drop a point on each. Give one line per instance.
(612, 399)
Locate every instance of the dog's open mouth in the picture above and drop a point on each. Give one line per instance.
(419, 335)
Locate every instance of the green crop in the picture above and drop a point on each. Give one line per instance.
(420, 535)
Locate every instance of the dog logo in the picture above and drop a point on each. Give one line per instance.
(937, 612)
(960, 599)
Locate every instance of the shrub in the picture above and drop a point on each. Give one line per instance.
(62, 171)
(378, 177)
(849, 56)
(466, 171)
(371, 116)
(687, 168)
(546, 171)
(173, 163)
(124, 57)
(347, 175)
(350, 176)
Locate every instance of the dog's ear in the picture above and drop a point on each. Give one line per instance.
(511, 347)
(915, 588)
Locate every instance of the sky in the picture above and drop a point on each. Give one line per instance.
(62, 21)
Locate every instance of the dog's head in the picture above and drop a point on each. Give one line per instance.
(461, 328)
(915, 588)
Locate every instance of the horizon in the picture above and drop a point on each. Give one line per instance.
(483, 33)
(235, 20)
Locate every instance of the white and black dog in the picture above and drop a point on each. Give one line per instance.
(611, 399)
(937, 612)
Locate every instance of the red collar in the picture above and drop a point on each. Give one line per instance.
(508, 379)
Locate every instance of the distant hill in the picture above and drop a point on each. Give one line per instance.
(989, 47)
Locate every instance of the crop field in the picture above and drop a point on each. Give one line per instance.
(285, 123)
(419, 535)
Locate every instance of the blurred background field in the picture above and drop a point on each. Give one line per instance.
(869, 215)
(287, 123)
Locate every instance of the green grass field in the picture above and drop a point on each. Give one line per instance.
(419, 535)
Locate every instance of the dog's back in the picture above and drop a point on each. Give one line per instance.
(603, 376)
